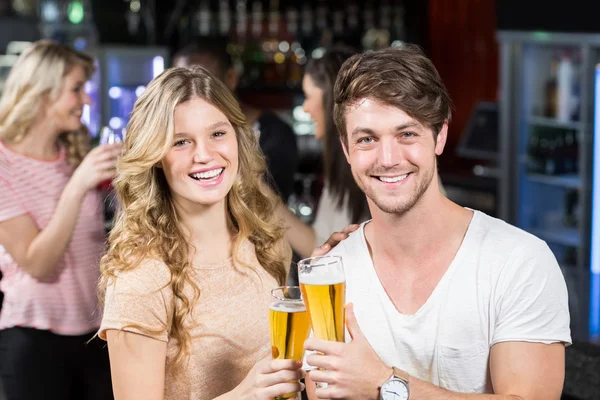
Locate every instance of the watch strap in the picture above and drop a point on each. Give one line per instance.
(402, 375)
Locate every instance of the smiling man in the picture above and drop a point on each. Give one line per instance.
(447, 302)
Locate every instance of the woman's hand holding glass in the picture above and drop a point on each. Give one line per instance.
(270, 378)
(98, 166)
(109, 136)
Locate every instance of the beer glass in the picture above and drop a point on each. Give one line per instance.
(290, 325)
(323, 284)
(109, 136)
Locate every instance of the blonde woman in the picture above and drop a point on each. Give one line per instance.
(51, 230)
(194, 253)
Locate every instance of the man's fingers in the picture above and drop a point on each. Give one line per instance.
(324, 346)
(320, 361)
(322, 376)
(328, 392)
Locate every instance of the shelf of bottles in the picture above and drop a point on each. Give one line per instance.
(549, 184)
(271, 40)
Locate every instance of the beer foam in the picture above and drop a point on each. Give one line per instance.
(288, 307)
(322, 278)
(326, 270)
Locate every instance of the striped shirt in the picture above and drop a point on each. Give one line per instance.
(67, 303)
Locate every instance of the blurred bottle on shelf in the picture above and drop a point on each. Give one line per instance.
(570, 257)
(572, 208)
(568, 87)
(576, 85)
(551, 91)
(224, 18)
(204, 19)
(272, 39)
(565, 77)
(552, 151)
(571, 152)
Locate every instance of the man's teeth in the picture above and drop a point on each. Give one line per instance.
(208, 174)
(392, 179)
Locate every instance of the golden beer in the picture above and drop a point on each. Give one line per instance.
(290, 326)
(325, 304)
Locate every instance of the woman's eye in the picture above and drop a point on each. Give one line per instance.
(180, 142)
(219, 134)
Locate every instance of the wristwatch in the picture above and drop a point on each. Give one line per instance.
(395, 388)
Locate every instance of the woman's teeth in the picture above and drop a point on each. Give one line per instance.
(207, 174)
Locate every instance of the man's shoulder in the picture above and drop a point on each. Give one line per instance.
(508, 251)
(493, 233)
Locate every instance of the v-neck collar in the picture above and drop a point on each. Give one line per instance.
(440, 285)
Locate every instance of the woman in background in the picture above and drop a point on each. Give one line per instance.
(51, 230)
(342, 202)
(195, 251)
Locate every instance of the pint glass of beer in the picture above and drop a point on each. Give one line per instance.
(290, 325)
(323, 285)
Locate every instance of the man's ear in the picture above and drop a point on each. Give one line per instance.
(345, 148)
(440, 140)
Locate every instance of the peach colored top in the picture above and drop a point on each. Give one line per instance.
(229, 325)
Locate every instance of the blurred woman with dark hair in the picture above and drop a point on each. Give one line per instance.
(342, 202)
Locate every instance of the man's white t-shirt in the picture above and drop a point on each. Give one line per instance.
(503, 285)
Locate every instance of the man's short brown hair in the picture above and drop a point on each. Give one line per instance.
(401, 77)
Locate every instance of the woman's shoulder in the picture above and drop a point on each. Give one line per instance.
(149, 274)
(6, 163)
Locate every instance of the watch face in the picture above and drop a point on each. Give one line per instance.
(394, 389)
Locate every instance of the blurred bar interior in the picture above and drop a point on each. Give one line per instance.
(524, 143)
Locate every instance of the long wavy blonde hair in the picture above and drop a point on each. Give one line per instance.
(37, 77)
(148, 225)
